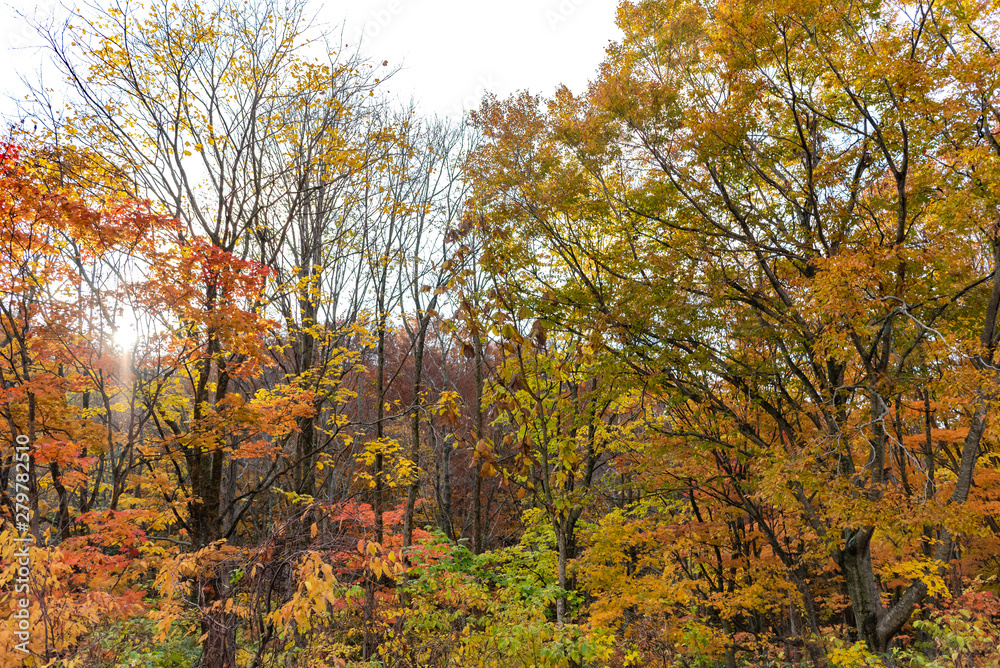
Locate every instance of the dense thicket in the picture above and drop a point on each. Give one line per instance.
(697, 368)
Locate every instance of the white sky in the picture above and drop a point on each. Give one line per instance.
(452, 51)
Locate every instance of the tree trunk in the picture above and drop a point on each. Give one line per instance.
(446, 489)
(564, 539)
(217, 626)
(414, 487)
(63, 496)
(370, 644)
(561, 601)
(478, 542)
(856, 564)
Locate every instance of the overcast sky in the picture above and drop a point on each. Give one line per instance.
(451, 51)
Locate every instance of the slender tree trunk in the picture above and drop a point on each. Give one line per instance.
(478, 537)
(929, 487)
(217, 626)
(446, 490)
(370, 645)
(414, 487)
(63, 497)
(305, 472)
(32, 477)
(561, 601)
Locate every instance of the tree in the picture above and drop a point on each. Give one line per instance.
(65, 261)
(768, 210)
(566, 421)
(438, 200)
(217, 115)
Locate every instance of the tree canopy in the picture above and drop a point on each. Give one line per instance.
(697, 367)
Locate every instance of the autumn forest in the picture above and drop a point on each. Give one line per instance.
(695, 368)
